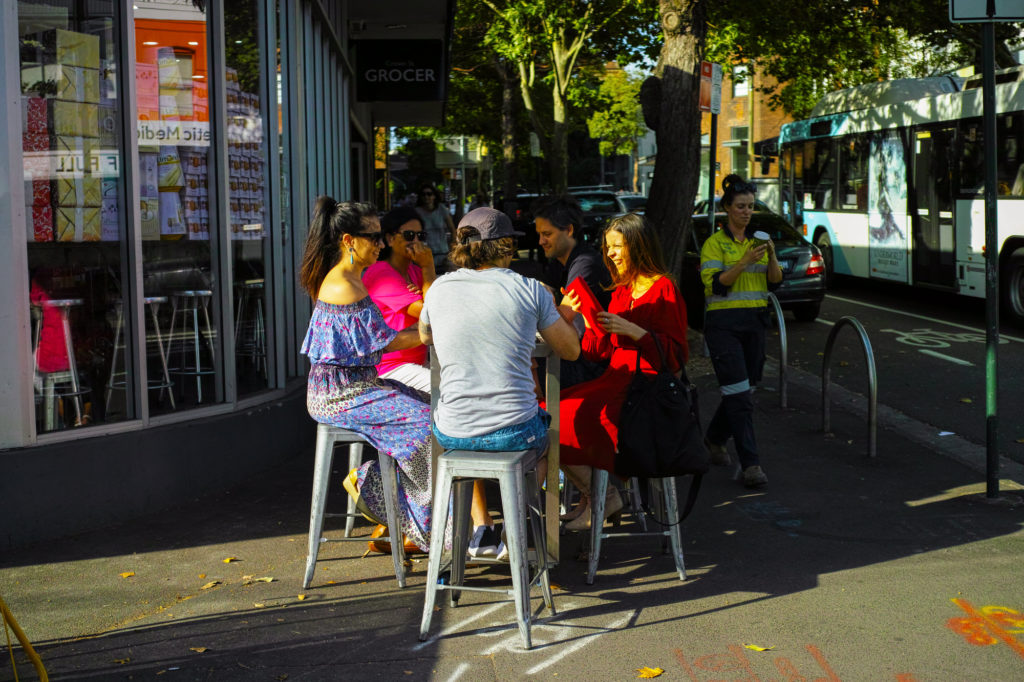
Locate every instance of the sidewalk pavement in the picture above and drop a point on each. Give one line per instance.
(843, 568)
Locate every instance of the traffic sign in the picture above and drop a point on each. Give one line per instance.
(974, 11)
(711, 87)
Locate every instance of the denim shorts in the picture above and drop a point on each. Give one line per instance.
(531, 434)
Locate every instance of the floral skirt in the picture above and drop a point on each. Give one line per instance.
(395, 419)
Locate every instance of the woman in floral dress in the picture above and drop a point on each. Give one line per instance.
(347, 336)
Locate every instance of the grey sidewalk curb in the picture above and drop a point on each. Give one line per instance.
(953, 447)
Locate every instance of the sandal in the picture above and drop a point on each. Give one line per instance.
(384, 547)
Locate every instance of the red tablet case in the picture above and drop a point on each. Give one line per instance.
(589, 304)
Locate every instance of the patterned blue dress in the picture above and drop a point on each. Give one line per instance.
(344, 343)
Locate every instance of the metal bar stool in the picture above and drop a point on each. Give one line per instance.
(250, 325)
(118, 380)
(516, 474)
(189, 303)
(50, 380)
(327, 437)
(666, 505)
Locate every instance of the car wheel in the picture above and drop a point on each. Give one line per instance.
(1013, 290)
(824, 244)
(806, 312)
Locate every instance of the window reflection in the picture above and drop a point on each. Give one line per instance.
(74, 199)
(174, 194)
(246, 193)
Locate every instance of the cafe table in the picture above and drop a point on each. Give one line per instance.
(552, 388)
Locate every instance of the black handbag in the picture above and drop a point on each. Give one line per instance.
(659, 426)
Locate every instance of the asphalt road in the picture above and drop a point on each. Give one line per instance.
(930, 352)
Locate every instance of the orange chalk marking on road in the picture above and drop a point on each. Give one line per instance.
(988, 625)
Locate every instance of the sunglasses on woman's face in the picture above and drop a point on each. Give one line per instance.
(410, 235)
(376, 237)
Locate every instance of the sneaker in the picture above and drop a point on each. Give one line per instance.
(485, 542)
(753, 477)
(719, 454)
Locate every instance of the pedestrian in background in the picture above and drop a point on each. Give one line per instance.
(437, 221)
(736, 270)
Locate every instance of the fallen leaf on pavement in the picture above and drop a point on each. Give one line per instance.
(258, 605)
(202, 575)
(128, 574)
(301, 597)
(966, 400)
(249, 580)
(647, 673)
(754, 647)
(121, 661)
(198, 649)
(844, 363)
(229, 559)
(1020, 440)
(212, 583)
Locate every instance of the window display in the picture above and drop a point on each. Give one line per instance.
(73, 192)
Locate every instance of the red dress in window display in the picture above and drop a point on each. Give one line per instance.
(590, 411)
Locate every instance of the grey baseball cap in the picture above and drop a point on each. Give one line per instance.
(490, 223)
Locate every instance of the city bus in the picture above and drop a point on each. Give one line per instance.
(887, 181)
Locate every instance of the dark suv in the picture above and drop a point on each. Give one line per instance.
(803, 270)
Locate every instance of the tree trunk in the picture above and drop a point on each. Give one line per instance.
(677, 125)
(558, 160)
(508, 131)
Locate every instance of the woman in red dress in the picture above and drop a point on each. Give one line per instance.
(645, 304)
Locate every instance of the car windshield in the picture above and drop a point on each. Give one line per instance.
(598, 203)
(633, 203)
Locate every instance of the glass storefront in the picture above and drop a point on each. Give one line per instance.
(75, 194)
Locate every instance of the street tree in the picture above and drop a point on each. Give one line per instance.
(549, 42)
(669, 100)
(617, 121)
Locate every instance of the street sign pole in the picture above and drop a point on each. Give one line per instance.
(988, 97)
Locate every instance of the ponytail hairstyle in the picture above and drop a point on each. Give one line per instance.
(470, 252)
(323, 241)
(732, 185)
(643, 249)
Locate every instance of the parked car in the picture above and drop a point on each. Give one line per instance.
(633, 203)
(803, 270)
(599, 206)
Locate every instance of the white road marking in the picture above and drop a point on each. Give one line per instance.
(461, 624)
(579, 644)
(459, 672)
(945, 357)
(920, 317)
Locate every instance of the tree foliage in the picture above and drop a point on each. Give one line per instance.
(617, 121)
(550, 42)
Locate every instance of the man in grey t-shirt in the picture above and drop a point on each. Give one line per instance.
(483, 320)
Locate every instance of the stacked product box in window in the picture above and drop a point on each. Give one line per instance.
(149, 195)
(195, 170)
(35, 144)
(170, 181)
(69, 74)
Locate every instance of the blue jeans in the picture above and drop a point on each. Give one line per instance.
(531, 434)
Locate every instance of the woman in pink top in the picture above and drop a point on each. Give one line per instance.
(397, 283)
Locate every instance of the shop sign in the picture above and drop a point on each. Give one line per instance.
(179, 133)
(399, 70)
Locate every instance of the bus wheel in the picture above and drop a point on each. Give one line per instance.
(1013, 290)
(824, 245)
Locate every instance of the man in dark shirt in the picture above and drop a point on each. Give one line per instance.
(558, 221)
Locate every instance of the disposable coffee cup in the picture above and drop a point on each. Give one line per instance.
(761, 237)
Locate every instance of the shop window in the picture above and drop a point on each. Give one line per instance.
(176, 196)
(246, 99)
(75, 196)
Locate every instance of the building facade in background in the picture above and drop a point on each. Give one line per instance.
(162, 158)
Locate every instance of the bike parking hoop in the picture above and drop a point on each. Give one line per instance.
(869, 357)
(783, 349)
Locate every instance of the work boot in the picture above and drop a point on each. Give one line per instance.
(719, 454)
(753, 477)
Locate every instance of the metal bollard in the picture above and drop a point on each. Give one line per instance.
(869, 357)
